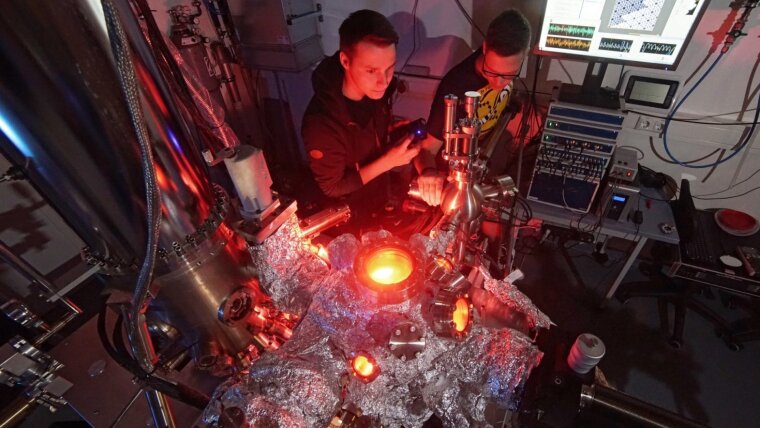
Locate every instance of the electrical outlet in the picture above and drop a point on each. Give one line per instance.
(651, 124)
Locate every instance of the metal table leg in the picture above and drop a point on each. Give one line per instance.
(626, 267)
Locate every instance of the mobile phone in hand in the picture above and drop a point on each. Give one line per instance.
(418, 131)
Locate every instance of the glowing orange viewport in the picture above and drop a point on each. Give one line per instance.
(387, 266)
(461, 315)
(364, 367)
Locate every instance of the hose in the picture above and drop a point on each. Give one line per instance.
(127, 80)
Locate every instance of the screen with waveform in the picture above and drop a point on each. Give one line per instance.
(658, 48)
(617, 45)
(568, 43)
(581, 31)
(644, 33)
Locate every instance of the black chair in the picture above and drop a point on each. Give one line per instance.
(682, 295)
(745, 329)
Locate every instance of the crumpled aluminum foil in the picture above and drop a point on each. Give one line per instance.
(287, 270)
(513, 298)
(308, 379)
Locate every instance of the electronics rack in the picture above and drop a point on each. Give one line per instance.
(576, 148)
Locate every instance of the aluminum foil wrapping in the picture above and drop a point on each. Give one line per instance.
(513, 298)
(287, 269)
(342, 251)
(209, 109)
(308, 379)
(438, 242)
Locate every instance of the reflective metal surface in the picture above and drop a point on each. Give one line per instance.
(192, 294)
(61, 112)
(73, 132)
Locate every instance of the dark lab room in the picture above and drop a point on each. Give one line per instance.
(401, 213)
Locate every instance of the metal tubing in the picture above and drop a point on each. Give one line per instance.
(126, 408)
(160, 409)
(471, 102)
(58, 326)
(632, 408)
(324, 220)
(33, 275)
(449, 121)
(30, 273)
(17, 411)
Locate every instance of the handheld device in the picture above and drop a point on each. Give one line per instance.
(418, 129)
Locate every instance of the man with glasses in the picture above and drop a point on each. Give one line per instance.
(490, 70)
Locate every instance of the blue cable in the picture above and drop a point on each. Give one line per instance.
(672, 113)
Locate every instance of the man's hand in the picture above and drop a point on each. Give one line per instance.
(430, 183)
(400, 154)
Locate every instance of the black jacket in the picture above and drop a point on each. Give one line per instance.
(337, 146)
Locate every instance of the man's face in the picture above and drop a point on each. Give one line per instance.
(369, 70)
(499, 70)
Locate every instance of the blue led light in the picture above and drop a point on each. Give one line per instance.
(618, 198)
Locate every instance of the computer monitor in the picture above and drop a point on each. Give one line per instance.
(648, 33)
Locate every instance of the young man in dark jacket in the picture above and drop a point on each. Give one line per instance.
(345, 127)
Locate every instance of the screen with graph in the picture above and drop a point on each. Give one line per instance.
(643, 32)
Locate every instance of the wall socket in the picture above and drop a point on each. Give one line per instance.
(651, 124)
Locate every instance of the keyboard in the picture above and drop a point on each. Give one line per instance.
(722, 279)
(699, 259)
(700, 249)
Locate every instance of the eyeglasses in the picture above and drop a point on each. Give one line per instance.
(489, 73)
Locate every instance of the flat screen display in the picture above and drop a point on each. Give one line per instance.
(642, 32)
(651, 92)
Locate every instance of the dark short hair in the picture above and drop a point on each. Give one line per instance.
(366, 25)
(508, 33)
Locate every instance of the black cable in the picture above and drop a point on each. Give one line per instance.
(729, 187)
(175, 390)
(414, 35)
(469, 19)
(662, 158)
(697, 121)
(727, 197)
(123, 360)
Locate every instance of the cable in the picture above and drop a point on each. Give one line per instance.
(729, 187)
(727, 197)
(737, 150)
(697, 121)
(641, 152)
(129, 86)
(662, 158)
(414, 35)
(469, 19)
(178, 391)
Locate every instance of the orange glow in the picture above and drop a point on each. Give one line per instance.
(363, 366)
(388, 266)
(445, 264)
(461, 315)
(320, 251)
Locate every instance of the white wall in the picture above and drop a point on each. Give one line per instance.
(446, 37)
(33, 231)
(718, 98)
